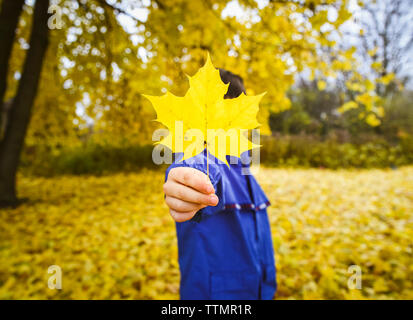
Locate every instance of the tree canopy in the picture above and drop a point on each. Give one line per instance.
(109, 52)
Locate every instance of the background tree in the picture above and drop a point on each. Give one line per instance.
(109, 52)
(387, 41)
(19, 115)
(9, 17)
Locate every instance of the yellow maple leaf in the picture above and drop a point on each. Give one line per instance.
(202, 118)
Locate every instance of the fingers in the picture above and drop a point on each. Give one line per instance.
(182, 206)
(187, 194)
(192, 178)
(181, 216)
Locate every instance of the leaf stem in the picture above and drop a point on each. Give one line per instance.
(206, 137)
(207, 162)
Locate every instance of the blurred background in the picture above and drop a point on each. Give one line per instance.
(79, 190)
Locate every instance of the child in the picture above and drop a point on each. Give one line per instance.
(224, 238)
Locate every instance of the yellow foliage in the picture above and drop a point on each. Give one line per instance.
(321, 84)
(387, 78)
(369, 85)
(372, 120)
(379, 111)
(366, 99)
(348, 106)
(354, 86)
(373, 52)
(377, 65)
(113, 238)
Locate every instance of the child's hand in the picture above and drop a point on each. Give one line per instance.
(187, 191)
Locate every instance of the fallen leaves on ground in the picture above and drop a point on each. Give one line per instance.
(113, 238)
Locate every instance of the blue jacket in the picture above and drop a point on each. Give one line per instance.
(226, 252)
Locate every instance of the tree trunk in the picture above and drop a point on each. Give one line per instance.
(19, 117)
(9, 17)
